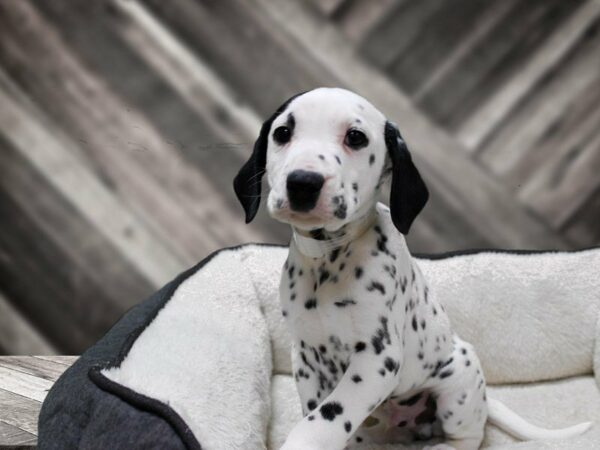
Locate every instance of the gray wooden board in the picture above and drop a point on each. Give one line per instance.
(71, 305)
(94, 35)
(46, 369)
(150, 153)
(494, 59)
(13, 437)
(23, 383)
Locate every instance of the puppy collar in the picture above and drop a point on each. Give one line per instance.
(317, 248)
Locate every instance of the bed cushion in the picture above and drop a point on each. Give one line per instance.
(204, 363)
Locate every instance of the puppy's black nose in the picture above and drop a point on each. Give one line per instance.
(303, 189)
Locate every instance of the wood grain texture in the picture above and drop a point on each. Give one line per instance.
(12, 437)
(24, 382)
(40, 368)
(17, 335)
(497, 107)
(123, 123)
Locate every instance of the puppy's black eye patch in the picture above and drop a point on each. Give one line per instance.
(282, 134)
(356, 139)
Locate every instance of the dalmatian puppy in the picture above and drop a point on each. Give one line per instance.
(374, 355)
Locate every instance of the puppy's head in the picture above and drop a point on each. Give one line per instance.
(326, 153)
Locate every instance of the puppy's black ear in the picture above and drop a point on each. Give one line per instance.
(248, 182)
(408, 194)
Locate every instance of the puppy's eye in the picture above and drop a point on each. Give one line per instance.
(355, 139)
(282, 135)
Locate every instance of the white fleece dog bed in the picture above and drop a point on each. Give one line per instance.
(204, 363)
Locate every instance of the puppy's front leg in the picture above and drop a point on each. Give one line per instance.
(369, 380)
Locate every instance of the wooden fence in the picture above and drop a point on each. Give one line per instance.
(122, 124)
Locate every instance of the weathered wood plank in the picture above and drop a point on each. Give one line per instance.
(174, 194)
(328, 7)
(359, 17)
(86, 252)
(494, 59)
(23, 384)
(17, 335)
(19, 411)
(565, 186)
(482, 121)
(583, 227)
(490, 17)
(66, 360)
(51, 156)
(198, 118)
(397, 31)
(438, 36)
(246, 51)
(71, 317)
(527, 141)
(12, 437)
(40, 368)
(462, 184)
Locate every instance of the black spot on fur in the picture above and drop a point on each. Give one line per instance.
(356, 378)
(381, 337)
(411, 401)
(360, 346)
(330, 410)
(446, 373)
(334, 254)
(324, 276)
(358, 271)
(312, 404)
(414, 323)
(376, 286)
(339, 161)
(371, 159)
(310, 303)
(345, 302)
(348, 426)
(341, 211)
(390, 364)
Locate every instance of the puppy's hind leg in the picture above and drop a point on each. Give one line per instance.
(461, 399)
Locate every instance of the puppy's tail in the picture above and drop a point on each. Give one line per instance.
(501, 416)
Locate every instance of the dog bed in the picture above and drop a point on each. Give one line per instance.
(204, 362)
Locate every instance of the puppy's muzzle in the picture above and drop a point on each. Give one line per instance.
(303, 189)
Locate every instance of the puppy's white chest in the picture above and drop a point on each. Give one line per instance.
(340, 297)
(321, 306)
